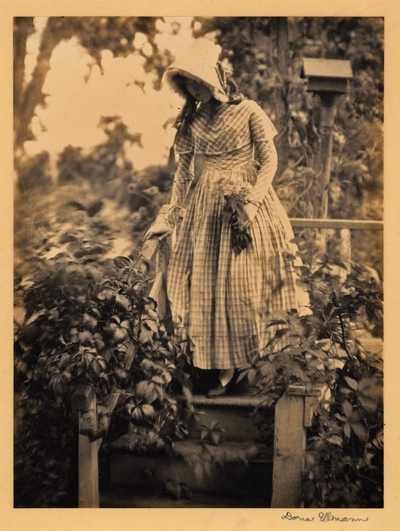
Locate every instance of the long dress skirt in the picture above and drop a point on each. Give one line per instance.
(222, 299)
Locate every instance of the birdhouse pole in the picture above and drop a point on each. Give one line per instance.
(329, 79)
(324, 159)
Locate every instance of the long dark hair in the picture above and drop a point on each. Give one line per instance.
(188, 109)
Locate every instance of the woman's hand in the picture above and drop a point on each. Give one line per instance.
(161, 229)
(251, 211)
(244, 216)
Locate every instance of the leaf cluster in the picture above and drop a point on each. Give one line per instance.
(344, 455)
(99, 188)
(86, 318)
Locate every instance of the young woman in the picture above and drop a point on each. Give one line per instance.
(229, 270)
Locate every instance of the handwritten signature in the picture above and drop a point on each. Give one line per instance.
(323, 517)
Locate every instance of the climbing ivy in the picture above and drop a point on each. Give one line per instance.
(82, 313)
(344, 454)
(81, 310)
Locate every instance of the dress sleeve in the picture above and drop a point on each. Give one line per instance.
(262, 133)
(184, 140)
(183, 178)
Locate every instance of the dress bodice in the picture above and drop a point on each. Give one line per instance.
(237, 137)
(233, 128)
(228, 160)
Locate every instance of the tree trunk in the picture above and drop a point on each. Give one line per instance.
(23, 27)
(25, 101)
(281, 104)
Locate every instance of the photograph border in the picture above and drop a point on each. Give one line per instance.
(207, 519)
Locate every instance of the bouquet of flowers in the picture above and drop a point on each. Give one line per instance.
(235, 193)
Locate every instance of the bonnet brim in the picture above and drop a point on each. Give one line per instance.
(200, 64)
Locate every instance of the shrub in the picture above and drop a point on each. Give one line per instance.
(84, 314)
(344, 454)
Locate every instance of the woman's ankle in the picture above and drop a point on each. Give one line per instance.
(226, 375)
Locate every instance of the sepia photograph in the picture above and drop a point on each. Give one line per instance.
(198, 263)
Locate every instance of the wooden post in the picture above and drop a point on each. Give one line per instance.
(345, 247)
(293, 414)
(84, 400)
(289, 443)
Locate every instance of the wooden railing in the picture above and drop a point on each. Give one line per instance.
(344, 225)
(293, 412)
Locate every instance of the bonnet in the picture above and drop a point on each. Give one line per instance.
(199, 62)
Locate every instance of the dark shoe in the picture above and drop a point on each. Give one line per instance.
(218, 390)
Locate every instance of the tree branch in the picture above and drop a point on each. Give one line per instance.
(32, 96)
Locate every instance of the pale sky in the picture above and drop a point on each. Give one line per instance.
(75, 106)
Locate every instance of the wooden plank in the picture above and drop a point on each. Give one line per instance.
(330, 68)
(289, 445)
(324, 156)
(357, 224)
(162, 257)
(321, 84)
(82, 397)
(88, 473)
(353, 224)
(88, 460)
(293, 414)
(303, 390)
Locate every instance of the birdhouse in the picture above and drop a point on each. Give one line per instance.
(326, 75)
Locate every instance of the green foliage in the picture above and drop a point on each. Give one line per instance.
(249, 43)
(105, 163)
(84, 317)
(34, 173)
(117, 34)
(110, 174)
(344, 456)
(94, 34)
(102, 178)
(211, 433)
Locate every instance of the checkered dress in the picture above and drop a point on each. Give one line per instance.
(224, 300)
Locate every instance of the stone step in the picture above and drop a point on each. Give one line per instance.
(234, 414)
(128, 498)
(238, 469)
